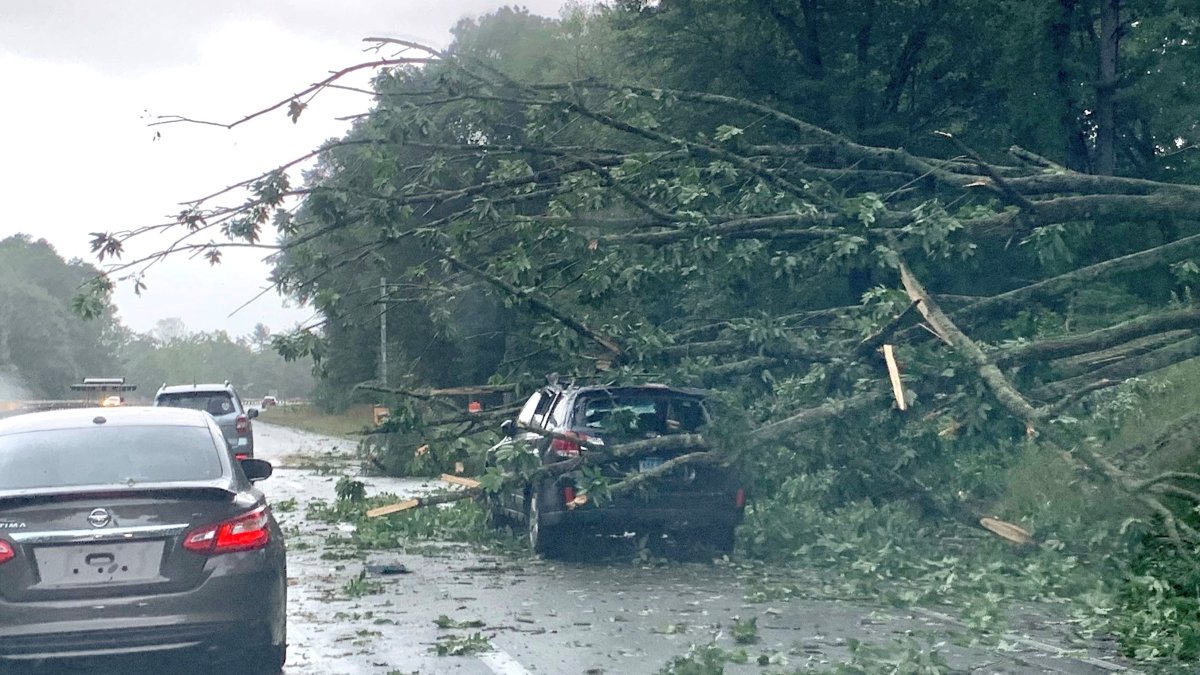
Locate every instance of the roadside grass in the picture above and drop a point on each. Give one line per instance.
(351, 422)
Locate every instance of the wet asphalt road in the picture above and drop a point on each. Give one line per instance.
(600, 612)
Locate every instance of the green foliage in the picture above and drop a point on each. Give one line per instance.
(350, 490)
(463, 521)
(901, 657)
(360, 586)
(745, 631)
(707, 659)
(461, 645)
(1158, 610)
(446, 622)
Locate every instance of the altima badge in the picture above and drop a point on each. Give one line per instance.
(99, 517)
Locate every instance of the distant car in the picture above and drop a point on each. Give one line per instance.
(269, 402)
(220, 401)
(699, 502)
(128, 530)
(112, 402)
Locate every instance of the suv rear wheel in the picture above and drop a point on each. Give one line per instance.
(543, 540)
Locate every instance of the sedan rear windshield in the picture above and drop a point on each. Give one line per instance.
(213, 403)
(640, 414)
(116, 455)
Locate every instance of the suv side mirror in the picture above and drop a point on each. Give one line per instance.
(252, 413)
(508, 428)
(256, 469)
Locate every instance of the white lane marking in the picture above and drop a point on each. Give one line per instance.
(501, 663)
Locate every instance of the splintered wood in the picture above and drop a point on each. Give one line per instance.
(472, 490)
(393, 508)
(894, 375)
(460, 480)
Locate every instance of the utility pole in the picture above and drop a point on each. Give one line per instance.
(383, 305)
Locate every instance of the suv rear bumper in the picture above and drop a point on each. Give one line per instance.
(619, 517)
(680, 510)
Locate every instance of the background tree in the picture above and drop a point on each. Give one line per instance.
(44, 346)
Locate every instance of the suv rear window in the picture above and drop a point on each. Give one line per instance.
(639, 414)
(215, 403)
(107, 456)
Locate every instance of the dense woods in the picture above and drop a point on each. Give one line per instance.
(45, 346)
(754, 197)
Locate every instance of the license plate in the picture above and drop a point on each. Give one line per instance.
(99, 563)
(647, 463)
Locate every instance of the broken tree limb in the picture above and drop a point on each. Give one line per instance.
(426, 394)
(1178, 250)
(708, 457)
(459, 480)
(541, 305)
(1078, 395)
(1133, 367)
(1091, 362)
(597, 453)
(1166, 476)
(393, 508)
(720, 373)
(1099, 340)
(1019, 407)
(788, 350)
(428, 500)
(966, 348)
(875, 341)
(810, 417)
(1029, 212)
(600, 452)
(894, 376)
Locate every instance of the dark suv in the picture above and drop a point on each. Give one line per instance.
(220, 401)
(698, 502)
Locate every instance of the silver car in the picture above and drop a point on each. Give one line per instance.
(220, 401)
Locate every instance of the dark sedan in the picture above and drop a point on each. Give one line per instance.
(131, 530)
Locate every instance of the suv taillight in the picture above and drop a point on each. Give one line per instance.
(243, 533)
(242, 424)
(6, 552)
(562, 447)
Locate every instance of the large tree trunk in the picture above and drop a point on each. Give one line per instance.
(1106, 87)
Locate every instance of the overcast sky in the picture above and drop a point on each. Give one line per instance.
(82, 79)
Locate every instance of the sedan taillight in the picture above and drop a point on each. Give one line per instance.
(242, 425)
(243, 533)
(6, 552)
